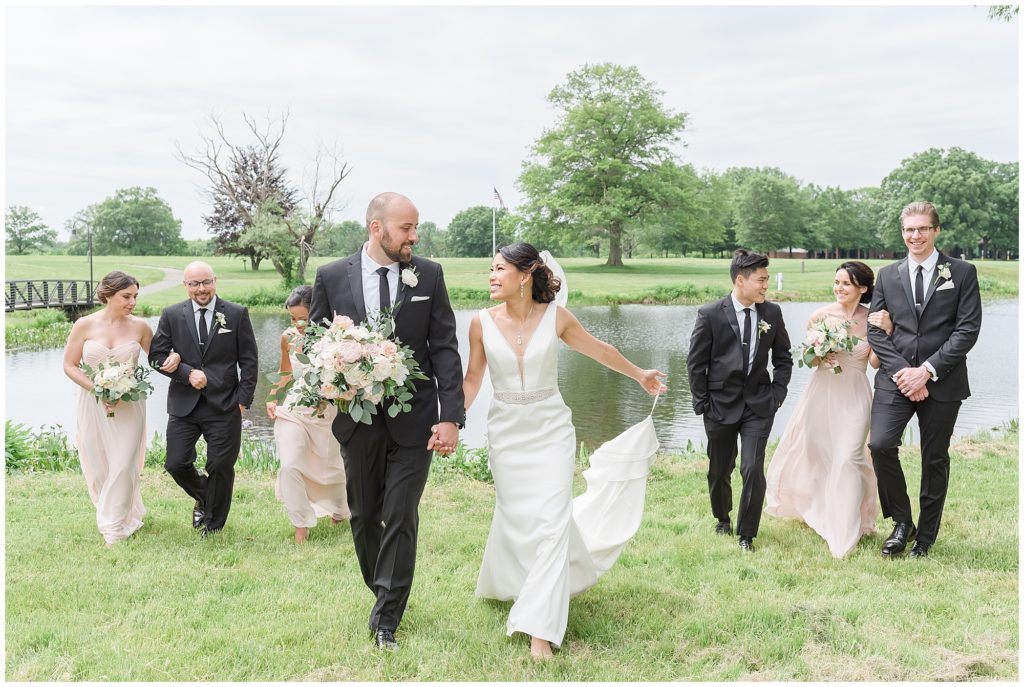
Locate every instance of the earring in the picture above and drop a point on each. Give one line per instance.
(522, 290)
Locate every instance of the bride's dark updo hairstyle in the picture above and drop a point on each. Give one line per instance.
(112, 283)
(526, 259)
(860, 275)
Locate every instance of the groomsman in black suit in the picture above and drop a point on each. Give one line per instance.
(387, 462)
(935, 306)
(207, 394)
(730, 386)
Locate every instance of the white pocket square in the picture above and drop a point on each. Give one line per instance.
(224, 331)
(420, 298)
(944, 286)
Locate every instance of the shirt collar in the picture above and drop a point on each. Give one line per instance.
(929, 263)
(209, 306)
(370, 265)
(739, 307)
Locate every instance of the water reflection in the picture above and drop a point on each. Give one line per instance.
(603, 402)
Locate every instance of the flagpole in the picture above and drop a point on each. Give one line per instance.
(494, 231)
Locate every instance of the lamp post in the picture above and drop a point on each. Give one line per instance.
(88, 233)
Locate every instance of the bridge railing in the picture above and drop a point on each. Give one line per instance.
(29, 294)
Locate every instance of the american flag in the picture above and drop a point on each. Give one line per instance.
(497, 197)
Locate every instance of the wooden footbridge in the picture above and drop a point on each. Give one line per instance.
(71, 295)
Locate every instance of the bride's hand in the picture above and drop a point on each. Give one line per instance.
(830, 359)
(110, 405)
(171, 363)
(650, 382)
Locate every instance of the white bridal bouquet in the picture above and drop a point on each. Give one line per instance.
(827, 335)
(355, 367)
(115, 381)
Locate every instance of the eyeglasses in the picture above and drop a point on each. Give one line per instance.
(197, 284)
(910, 231)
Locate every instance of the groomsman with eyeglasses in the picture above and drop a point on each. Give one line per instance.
(935, 305)
(214, 383)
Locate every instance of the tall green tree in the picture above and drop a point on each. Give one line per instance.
(691, 213)
(269, 237)
(136, 221)
(469, 232)
(26, 230)
(974, 197)
(770, 211)
(342, 238)
(433, 241)
(600, 168)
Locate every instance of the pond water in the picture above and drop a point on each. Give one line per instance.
(603, 402)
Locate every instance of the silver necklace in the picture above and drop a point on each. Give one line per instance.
(519, 336)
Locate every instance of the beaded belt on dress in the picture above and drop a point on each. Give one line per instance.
(525, 397)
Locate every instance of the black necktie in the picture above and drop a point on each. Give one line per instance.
(385, 289)
(919, 288)
(746, 340)
(204, 333)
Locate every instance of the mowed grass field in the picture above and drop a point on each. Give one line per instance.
(680, 604)
(590, 280)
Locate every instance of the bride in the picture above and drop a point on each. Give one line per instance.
(111, 450)
(541, 549)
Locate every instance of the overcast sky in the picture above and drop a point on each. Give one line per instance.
(442, 103)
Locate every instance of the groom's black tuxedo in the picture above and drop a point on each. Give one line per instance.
(735, 403)
(387, 462)
(942, 335)
(229, 361)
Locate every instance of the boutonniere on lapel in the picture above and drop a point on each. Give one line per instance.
(762, 328)
(222, 323)
(942, 272)
(410, 278)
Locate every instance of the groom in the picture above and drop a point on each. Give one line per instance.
(387, 462)
(935, 306)
(731, 388)
(207, 395)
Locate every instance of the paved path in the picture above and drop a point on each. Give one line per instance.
(172, 278)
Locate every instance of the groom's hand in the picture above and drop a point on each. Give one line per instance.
(444, 438)
(911, 380)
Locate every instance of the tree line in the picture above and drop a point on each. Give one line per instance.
(604, 180)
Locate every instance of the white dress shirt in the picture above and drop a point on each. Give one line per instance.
(371, 283)
(740, 318)
(927, 277)
(209, 315)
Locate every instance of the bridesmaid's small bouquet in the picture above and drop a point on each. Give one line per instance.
(827, 335)
(354, 366)
(116, 381)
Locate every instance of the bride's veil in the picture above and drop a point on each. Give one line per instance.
(476, 416)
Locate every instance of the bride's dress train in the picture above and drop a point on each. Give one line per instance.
(544, 546)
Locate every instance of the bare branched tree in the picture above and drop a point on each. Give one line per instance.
(245, 180)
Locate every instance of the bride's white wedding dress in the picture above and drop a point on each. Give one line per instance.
(544, 546)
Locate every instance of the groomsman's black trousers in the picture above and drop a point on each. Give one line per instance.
(753, 431)
(385, 482)
(890, 413)
(223, 434)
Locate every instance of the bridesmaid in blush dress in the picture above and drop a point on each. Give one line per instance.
(821, 472)
(111, 450)
(311, 481)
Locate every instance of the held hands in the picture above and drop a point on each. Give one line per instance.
(911, 382)
(197, 379)
(444, 438)
(881, 320)
(649, 381)
(171, 362)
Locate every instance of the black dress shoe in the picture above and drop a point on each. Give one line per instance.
(920, 550)
(723, 527)
(384, 638)
(897, 541)
(197, 516)
(747, 544)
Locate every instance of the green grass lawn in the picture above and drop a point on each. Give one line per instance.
(591, 281)
(680, 604)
